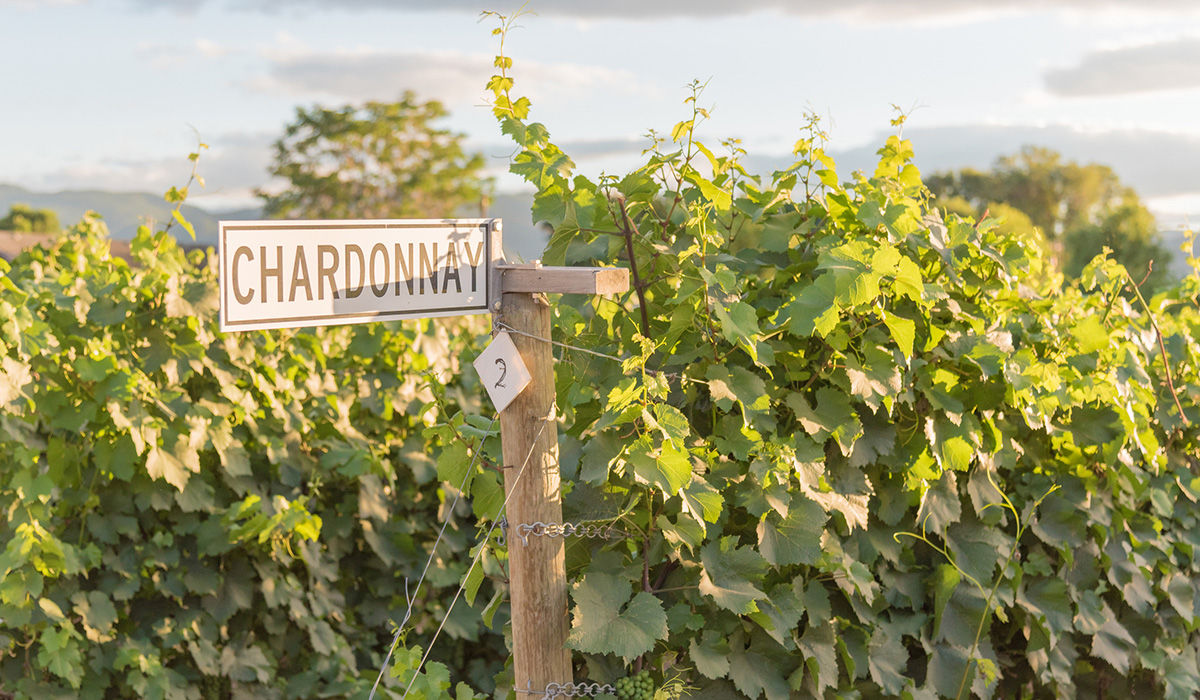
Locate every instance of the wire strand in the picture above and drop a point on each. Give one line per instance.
(411, 599)
(509, 329)
(511, 490)
(505, 328)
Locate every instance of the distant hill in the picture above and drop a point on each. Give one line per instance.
(1173, 241)
(125, 211)
(122, 211)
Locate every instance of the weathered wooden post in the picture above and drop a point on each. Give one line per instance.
(529, 432)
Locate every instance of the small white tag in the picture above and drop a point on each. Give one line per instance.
(502, 370)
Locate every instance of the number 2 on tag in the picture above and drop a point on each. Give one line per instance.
(501, 370)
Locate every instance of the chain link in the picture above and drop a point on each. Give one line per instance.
(573, 690)
(607, 532)
(539, 529)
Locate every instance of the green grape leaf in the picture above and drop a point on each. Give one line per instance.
(1048, 597)
(739, 325)
(952, 445)
(738, 384)
(795, 539)
(903, 331)
(710, 653)
(666, 467)
(606, 620)
(887, 661)
(812, 308)
(944, 581)
(730, 574)
(820, 657)
(1091, 334)
(1113, 643)
(755, 672)
(162, 464)
(908, 281)
(833, 416)
(876, 379)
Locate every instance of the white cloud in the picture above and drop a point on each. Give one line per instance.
(1166, 65)
(27, 4)
(1177, 211)
(453, 77)
(163, 56)
(869, 10)
(232, 166)
(211, 49)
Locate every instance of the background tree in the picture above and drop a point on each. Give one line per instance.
(1076, 209)
(377, 160)
(26, 219)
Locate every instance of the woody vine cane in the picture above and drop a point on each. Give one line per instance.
(538, 589)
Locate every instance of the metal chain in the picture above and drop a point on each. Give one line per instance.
(607, 532)
(539, 529)
(573, 690)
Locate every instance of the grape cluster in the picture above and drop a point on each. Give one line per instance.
(638, 687)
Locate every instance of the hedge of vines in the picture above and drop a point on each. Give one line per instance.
(862, 450)
(198, 516)
(859, 450)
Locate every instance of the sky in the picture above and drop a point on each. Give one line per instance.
(113, 94)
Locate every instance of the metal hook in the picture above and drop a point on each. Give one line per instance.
(502, 538)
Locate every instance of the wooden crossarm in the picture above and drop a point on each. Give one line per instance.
(533, 278)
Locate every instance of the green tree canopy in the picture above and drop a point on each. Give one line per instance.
(26, 219)
(376, 160)
(1077, 209)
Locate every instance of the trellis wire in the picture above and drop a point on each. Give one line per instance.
(505, 328)
(495, 521)
(411, 599)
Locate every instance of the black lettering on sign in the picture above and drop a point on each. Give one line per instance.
(242, 251)
(473, 261)
(451, 269)
(404, 269)
(429, 268)
(352, 290)
(503, 372)
(380, 289)
(300, 275)
(276, 272)
(326, 273)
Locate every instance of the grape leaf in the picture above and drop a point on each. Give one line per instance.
(606, 621)
(740, 385)
(832, 416)
(754, 670)
(730, 573)
(710, 653)
(812, 308)
(795, 539)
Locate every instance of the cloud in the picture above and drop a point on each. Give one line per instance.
(1155, 163)
(1167, 65)
(162, 56)
(233, 166)
(871, 10)
(598, 148)
(40, 3)
(452, 77)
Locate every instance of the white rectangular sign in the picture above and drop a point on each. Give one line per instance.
(288, 274)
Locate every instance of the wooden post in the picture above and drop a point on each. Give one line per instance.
(537, 571)
(529, 431)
